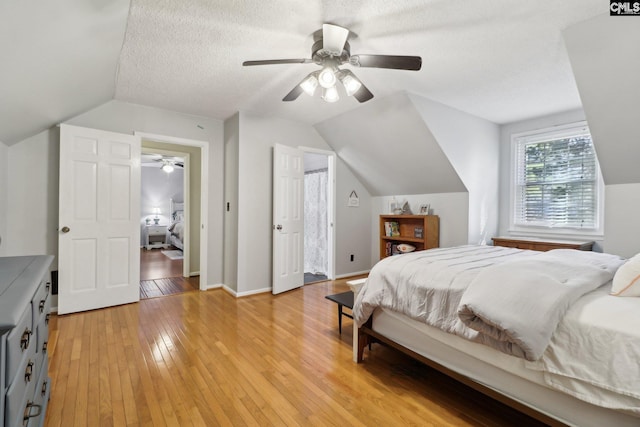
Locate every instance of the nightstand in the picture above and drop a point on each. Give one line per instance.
(155, 236)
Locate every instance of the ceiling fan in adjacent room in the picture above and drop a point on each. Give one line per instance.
(330, 51)
(166, 163)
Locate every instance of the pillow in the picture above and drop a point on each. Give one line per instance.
(626, 282)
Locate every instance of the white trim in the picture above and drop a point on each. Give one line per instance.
(246, 293)
(539, 135)
(355, 273)
(204, 192)
(331, 198)
(214, 286)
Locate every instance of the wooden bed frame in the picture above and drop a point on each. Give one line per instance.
(366, 336)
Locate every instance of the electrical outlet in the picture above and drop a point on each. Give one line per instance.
(352, 257)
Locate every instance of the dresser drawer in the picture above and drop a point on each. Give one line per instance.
(20, 342)
(21, 393)
(159, 230)
(40, 397)
(40, 302)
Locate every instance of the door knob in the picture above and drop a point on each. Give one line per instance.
(65, 229)
(278, 227)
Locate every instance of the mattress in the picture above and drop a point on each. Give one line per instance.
(506, 374)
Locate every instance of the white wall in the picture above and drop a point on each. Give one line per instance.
(257, 136)
(606, 64)
(622, 227)
(32, 207)
(472, 145)
(231, 149)
(33, 171)
(4, 178)
(452, 208)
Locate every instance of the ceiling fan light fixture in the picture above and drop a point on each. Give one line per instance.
(330, 94)
(309, 85)
(351, 84)
(167, 167)
(327, 78)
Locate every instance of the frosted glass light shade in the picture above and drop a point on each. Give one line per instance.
(327, 78)
(167, 167)
(351, 84)
(309, 85)
(330, 94)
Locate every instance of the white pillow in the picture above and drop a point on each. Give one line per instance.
(626, 282)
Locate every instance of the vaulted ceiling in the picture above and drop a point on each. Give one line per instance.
(501, 60)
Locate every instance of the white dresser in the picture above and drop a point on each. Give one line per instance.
(25, 306)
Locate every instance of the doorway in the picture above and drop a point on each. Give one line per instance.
(318, 215)
(164, 184)
(189, 207)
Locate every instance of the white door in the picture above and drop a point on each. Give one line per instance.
(288, 218)
(99, 219)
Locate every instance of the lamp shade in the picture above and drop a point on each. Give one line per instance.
(309, 85)
(330, 94)
(327, 78)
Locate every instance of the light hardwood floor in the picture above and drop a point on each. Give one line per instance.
(160, 275)
(208, 359)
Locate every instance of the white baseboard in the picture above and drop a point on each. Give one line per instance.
(355, 273)
(246, 293)
(214, 286)
(194, 273)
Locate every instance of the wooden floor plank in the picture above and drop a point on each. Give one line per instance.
(207, 358)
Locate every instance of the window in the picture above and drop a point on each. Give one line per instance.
(556, 180)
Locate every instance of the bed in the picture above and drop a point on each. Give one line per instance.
(573, 361)
(175, 231)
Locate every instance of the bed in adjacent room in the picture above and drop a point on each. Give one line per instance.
(537, 330)
(176, 230)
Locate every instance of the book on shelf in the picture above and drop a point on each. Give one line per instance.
(394, 249)
(387, 228)
(418, 232)
(395, 229)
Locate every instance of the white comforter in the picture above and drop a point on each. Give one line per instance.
(522, 301)
(428, 286)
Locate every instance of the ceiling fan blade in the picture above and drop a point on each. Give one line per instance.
(294, 94)
(277, 61)
(363, 94)
(413, 63)
(334, 38)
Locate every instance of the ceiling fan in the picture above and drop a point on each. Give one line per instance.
(166, 163)
(330, 51)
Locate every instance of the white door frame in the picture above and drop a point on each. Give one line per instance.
(331, 209)
(204, 193)
(186, 185)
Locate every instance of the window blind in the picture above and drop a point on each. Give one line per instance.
(557, 180)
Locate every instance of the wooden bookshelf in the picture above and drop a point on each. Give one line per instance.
(407, 225)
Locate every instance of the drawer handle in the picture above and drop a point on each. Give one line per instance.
(24, 340)
(41, 305)
(43, 391)
(44, 347)
(28, 372)
(46, 319)
(47, 286)
(27, 411)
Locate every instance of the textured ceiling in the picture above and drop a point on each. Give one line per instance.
(502, 60)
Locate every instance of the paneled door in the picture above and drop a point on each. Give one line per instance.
(99, 219)
(288, 218)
